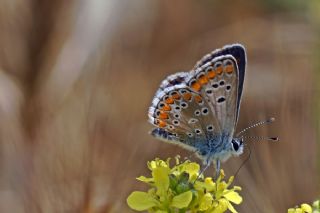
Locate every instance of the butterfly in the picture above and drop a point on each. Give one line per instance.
(199, 109)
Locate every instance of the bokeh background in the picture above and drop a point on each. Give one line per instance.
(77, 78)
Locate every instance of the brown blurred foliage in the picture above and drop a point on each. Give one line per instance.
(77, 77)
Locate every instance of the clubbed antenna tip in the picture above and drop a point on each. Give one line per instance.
(271, 120)
(274, 138)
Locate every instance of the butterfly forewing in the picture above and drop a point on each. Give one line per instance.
(239, 53)
(217, 81)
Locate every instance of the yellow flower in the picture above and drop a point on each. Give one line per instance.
(181, 188)
(304, 208)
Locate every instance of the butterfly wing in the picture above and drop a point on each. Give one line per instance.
(180, 113)
(196, 109)
(239, 53)
(218, 82)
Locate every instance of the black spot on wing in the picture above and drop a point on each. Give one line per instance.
(176, 81)
(221, 99)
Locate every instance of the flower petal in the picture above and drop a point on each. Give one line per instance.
(182, 200)
(141, 201)
(291, 210)
(222, 206)
(145, 179)
(306, 208)
(161, 179)
(192, 169)
(231, 208)
(233, 196)
(206, 202)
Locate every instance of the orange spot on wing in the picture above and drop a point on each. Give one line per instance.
(187, 96)
(198, 99)
(169, 100)
(162, 124)
(176, 96)
(219, 70)
(203, 79)
(163, 115)
(211, 74)
(229, 68)
(195, 86)
(166, 107)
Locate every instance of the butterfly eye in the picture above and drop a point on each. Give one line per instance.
(235, 145)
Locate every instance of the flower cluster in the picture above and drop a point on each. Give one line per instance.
(306, 208)
(182, 189)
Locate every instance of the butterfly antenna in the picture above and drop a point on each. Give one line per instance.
(244, 162)
(270, 120)
(261, 138)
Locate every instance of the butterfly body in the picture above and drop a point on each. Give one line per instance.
(198, 110)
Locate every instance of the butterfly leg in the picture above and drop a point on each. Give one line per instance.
(217, 169)
(206, 166)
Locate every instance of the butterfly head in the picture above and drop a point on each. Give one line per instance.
(237, 146)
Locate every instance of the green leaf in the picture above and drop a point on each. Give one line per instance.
(233, 196)
(141, 201)
(316, 204)
(182, 200)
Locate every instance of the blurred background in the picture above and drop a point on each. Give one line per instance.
(77, 78)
